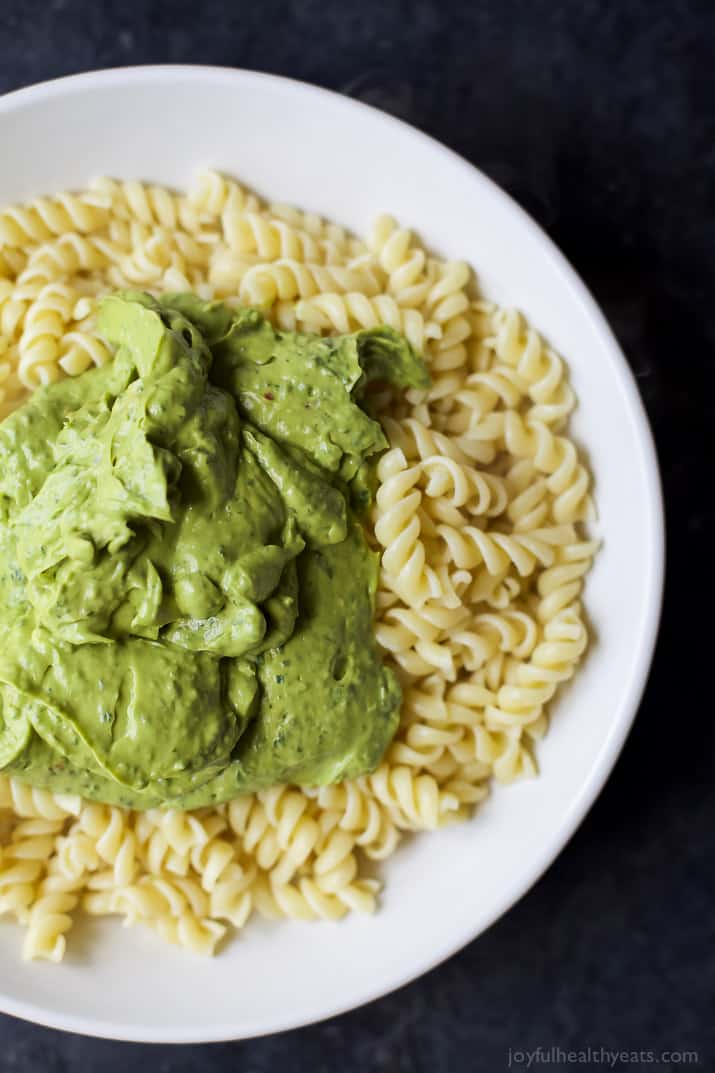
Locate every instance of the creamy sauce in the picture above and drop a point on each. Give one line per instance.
(186, 593)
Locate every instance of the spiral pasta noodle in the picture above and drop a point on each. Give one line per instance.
(478, 517)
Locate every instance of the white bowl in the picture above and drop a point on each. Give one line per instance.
(329, 154)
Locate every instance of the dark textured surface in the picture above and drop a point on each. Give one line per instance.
(600, 118)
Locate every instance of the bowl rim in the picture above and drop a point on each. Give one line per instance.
(650, 613)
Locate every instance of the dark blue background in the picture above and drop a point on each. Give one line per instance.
(600, 118)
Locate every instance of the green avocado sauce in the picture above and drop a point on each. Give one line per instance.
(186, 592)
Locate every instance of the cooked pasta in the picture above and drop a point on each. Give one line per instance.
(478, 516)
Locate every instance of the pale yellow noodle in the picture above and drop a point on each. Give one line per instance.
(478, 516)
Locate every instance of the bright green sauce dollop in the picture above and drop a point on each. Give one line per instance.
(186, 593)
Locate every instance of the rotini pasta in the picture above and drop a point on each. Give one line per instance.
(478, 518)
